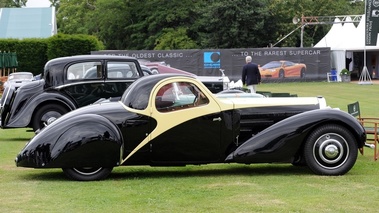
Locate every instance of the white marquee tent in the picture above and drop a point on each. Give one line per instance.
(343, 40)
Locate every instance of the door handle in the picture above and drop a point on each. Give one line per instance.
(217, 119)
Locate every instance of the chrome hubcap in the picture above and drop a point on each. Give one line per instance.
(330, 150)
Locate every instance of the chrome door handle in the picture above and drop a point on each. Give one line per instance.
(217, 119)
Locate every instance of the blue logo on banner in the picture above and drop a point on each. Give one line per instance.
(212, 60)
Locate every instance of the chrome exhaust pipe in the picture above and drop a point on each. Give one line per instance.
(369, 145)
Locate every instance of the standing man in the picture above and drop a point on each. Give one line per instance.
(251, 75)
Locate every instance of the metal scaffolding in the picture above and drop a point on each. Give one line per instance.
(314, 20)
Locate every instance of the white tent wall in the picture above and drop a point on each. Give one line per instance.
(338, 58)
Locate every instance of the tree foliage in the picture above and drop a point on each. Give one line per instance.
(234, 24)
(172, 39)
(12, 3)
(174, 24)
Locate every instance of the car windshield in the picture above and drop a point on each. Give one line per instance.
(270, 65)
(289, 63)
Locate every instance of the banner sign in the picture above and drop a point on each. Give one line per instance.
(372, 22)
(276, 64)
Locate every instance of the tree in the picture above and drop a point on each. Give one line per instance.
(73, 16)
(166, 24)
(108, 22)
(12, 3)
(172, 39)
(234, 24)
(157, 17)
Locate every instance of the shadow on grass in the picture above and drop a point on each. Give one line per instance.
(43, 175)
(5, 140)
(236, 170)
(146, 172)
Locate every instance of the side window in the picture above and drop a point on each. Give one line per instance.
(122, 70)
(178, 96)
(87, 70)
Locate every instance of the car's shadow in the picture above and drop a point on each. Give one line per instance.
(6, 140)
(236, 170)
(122, 173)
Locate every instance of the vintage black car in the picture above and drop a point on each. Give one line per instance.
(67, 83)
(171, 120)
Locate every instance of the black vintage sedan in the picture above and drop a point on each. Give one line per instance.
(174, 120)
(67, 83)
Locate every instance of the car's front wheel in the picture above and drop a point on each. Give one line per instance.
(47, 114)
(87, 173)
(330, 150)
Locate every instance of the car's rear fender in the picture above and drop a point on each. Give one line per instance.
(16, 100)
(23, 109)
(283, 140)
(5, 104)
(84, 140)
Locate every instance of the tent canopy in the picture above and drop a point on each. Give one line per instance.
(346, 37)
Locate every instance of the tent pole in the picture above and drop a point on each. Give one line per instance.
(365, 75)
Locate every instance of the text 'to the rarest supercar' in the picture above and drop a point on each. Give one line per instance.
(174, 120)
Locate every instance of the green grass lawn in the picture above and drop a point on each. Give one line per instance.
(208, 188)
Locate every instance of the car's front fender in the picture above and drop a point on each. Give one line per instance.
(281, 141)
(84, 140)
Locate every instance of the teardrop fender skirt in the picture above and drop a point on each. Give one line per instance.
(281, 141)
(85, 140)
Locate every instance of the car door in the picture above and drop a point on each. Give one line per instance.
(85, 81)
(188, 125)
(119, 76)
(291, 69)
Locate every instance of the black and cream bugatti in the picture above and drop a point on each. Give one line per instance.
(174, 120)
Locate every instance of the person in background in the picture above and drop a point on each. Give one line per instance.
(251, 75)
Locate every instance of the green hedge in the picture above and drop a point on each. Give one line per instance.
(67, 45)
(32, 54)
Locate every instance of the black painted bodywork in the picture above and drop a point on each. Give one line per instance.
(108, 134)
(56, 88)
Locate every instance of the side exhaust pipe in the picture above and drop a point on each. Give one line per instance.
(371, 146)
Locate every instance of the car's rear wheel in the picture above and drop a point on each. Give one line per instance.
(47, 114)
(87, 173)
(330, 150)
